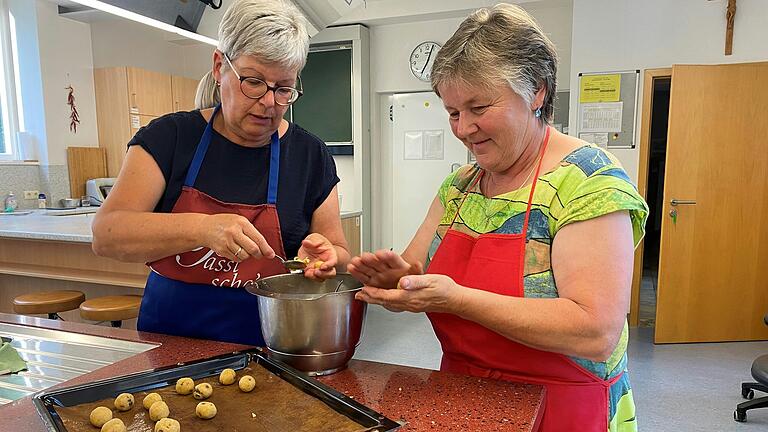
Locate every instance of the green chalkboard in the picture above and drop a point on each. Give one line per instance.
(325, 109)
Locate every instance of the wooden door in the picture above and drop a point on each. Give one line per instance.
(149, 93)
(714, 254)
(184, 90)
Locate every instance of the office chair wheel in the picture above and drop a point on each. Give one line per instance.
(747, 393)
(740, 416)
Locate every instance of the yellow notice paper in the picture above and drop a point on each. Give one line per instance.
(600, 88)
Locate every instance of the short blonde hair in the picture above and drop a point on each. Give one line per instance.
(500, 44)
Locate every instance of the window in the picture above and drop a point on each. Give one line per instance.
(10, 86)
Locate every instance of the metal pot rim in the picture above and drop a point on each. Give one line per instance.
(256, 289)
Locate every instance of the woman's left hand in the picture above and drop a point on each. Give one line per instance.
(322, 257)
(422, 293)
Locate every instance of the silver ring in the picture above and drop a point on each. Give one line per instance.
(238, 251)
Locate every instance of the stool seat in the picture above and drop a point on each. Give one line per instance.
(48, 302)
(760, 370)
(111, 308)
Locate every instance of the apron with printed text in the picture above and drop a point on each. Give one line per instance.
(200, 294)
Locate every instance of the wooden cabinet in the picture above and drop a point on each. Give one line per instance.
(183, 90)
(149, 92)
(128, 98)
(351, 228)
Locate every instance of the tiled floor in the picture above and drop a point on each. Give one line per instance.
(677, 388)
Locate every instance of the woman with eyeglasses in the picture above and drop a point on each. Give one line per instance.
(208, 198)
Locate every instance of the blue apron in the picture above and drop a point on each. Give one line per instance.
(200, 294)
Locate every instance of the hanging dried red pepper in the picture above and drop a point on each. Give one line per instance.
(74, 117)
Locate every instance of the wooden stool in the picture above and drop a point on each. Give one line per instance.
(48, 302)
(111, 308)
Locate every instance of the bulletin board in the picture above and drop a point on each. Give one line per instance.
(607, 108)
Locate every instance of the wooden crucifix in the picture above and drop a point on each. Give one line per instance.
(730, 14)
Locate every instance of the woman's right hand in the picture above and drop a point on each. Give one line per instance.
(234, 237)
(382, 269)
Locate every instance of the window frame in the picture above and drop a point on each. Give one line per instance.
(8, 86)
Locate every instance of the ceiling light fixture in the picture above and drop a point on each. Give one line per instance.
(133, 16)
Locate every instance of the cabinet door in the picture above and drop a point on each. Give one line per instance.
(184, 90)
(351, 228)
(111, 86)
(138, 121)
(149, 93)
(117, 156)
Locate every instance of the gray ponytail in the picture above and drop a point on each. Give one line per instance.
(207, 95)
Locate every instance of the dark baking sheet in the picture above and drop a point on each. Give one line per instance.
(45, 401)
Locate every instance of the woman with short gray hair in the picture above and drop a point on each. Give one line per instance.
(529, 251)
(209, 197)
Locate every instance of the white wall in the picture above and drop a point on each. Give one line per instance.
(613, 35)
(119, 42)
(391, 45)
(65, 58)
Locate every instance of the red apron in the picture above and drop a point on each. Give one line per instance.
(195, 293)
(576, 400)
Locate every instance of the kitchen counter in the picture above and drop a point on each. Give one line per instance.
(41, 252)
(67, 228)
(424, 399)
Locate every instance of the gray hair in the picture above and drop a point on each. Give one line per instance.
(207, 95)
(274, 31)
(502, 43)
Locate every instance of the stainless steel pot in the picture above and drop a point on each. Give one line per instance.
(69, 202)
(312, 326)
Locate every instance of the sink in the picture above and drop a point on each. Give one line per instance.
(55, 356)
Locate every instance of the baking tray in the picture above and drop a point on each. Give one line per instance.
(46, 400)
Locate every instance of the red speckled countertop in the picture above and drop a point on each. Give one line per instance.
(425, 399)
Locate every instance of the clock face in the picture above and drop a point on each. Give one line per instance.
(422, 58)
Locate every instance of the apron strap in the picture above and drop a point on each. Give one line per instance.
(274, 169)
(202, 148)
(533, 187)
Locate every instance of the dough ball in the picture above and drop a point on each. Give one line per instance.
(167, 425)
(247, 383)
(205, 410)
(203, 391)
(124, 402)
(227, 376)
(100, 415)
(158, 411)
(150, 399)
(114, 425)
(184, 386)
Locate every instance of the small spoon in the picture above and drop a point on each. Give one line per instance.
(292, 265)
(338, 286)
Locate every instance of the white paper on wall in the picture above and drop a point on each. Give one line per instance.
(433, 145)
(601, 117)
(599, 139)
(413, 145)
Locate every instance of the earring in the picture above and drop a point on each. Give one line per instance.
(537, 113)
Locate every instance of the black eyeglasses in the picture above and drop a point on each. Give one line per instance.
(256, 88)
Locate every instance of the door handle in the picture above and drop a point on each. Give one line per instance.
(677, 202)
(455, 166)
